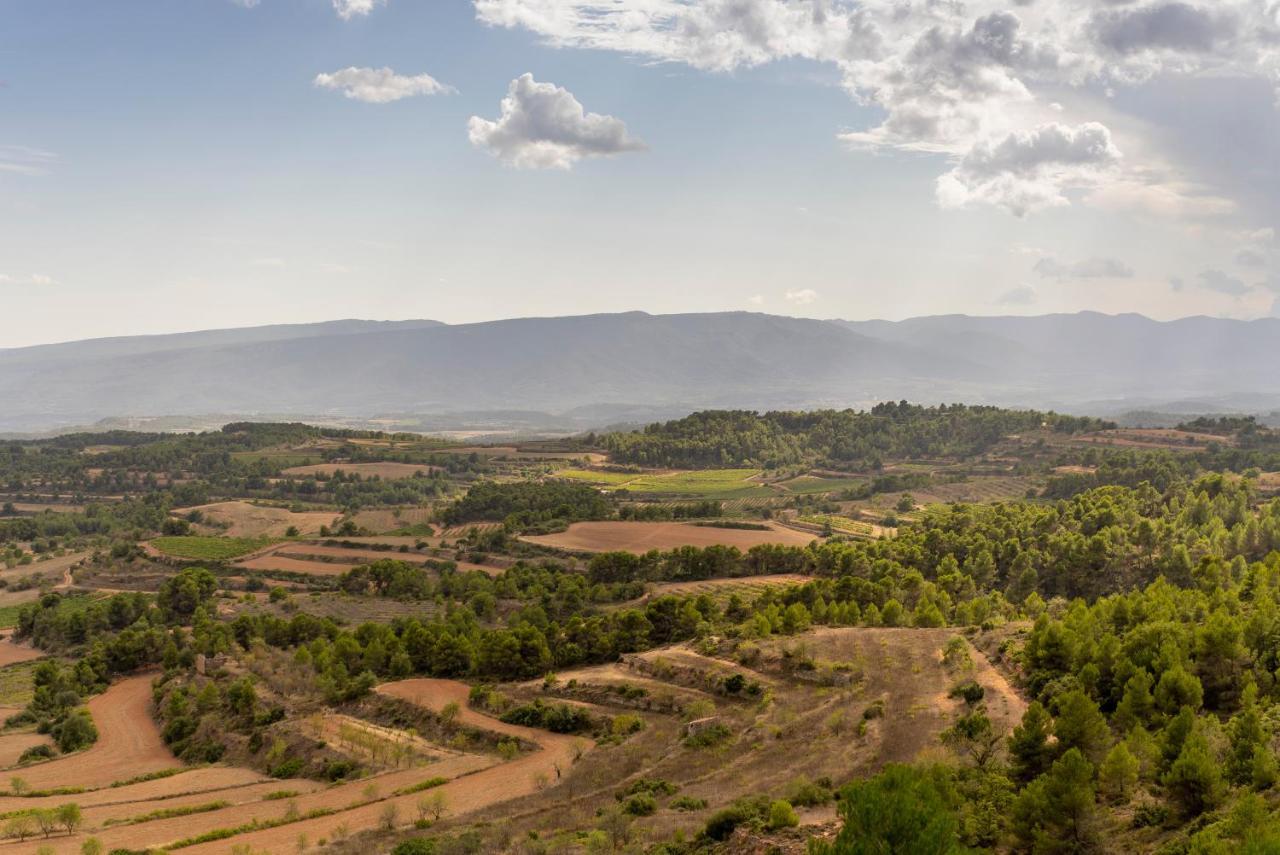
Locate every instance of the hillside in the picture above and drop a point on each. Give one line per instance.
(601, 368)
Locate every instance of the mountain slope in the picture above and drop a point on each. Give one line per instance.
(636, 363)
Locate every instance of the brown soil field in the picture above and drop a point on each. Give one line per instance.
(385, 471)
(128, 743)
(203, 784)
(12, 654)
(1174, 440)
(390, 519)
(469, 791)
(13, 744)
(57, 569)
(247, 520)
(295, 565)
(640, 537)
(41, 507)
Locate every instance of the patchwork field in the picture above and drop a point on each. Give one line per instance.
(385, 471)
(640, 537)
(710, 483)
(248, 520)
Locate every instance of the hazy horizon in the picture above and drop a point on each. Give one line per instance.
(251, 162)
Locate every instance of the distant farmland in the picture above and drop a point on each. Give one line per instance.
(640, 537)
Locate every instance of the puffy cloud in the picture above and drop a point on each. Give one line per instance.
(1092, 268)
(1030, 170)
(1216, 280)
(348, 9)
(1174, 26)
(543, 126)
(802, 297)
(380, 85)
(953, 77)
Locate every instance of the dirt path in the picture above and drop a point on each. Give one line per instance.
(128, 743)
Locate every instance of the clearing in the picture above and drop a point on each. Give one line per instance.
(248, 520)
(640, 537)
(385, 471)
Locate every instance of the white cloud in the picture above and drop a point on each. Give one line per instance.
(1091, 268)
(38, 279)
(25, 160)
(348, 9)
(1030, 170)
(802, 297)
(1250, 257)
(380, 85)
(756, 300)
(245, 4)
(542, 126)
(954, 77)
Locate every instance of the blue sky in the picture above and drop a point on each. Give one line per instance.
(173, 165)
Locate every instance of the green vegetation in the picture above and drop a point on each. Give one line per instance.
(844, 438)
(209, 548)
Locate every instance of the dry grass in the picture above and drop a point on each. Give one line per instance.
(640, 537)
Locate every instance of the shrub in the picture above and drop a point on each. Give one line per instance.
(688, 803)
(708, 736)
(415, 846)
(781, 815)
(35, 753)
(641, 804)
(970, 691)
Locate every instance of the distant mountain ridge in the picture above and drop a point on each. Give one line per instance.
(636, 363)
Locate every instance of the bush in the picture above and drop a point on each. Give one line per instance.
(35, 753)
(781, 815)
(75, 732)
(970, 691)
(415, 846)
(688, 803)
(709, 736)
(723, 822)
(641, 804)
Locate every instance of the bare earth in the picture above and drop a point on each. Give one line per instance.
(12, 654)
(640, 537)
(128, 743)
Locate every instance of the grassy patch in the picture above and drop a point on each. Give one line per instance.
(844, 525)
(16, 684)
(169, 813)
(811, 485)
(210, 548)
(703, 482)
(9, 616)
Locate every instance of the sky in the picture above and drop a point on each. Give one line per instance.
(169, 166)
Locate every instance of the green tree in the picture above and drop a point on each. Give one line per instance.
(902, 809)
(1030, 753)
(1118, 774)
(1080, 724)
(1194, 781)
(1055, 812)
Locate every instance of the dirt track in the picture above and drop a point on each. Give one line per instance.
(640, 537)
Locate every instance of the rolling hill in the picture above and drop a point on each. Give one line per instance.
(591, 368)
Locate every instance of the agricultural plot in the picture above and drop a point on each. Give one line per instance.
(700, 483)
(197, 548)
(129, 743)
(747, 587)
(838, 524)
(243, 519)
(640, 537)
(385, 471)
(813, 485)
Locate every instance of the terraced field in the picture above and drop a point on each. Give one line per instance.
(243, 519)
(640, 537)
(700, 483)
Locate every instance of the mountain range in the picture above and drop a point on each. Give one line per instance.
(592, 370)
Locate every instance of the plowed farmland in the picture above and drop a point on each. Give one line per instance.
(640, 537)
